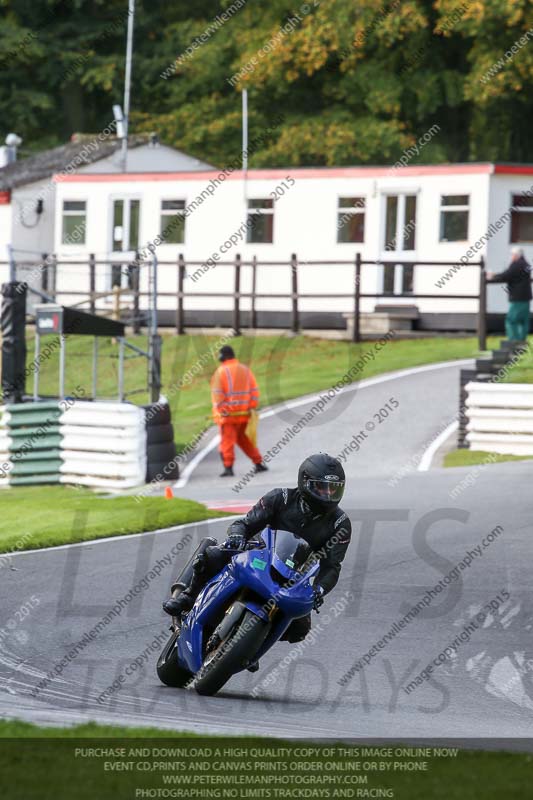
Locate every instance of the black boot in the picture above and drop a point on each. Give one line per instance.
(228, 472)
(261, 467)
(185, 601)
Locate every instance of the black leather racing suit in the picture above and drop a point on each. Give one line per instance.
(328, 534)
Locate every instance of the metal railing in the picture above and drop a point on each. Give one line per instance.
(49, 271)
(41, 279)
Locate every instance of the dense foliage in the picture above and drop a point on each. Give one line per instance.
(354, 81)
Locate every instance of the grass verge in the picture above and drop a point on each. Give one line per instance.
(469, 458)
(522, 371)
(56, 764)
(46, 516)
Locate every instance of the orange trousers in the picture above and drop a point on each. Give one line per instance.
(231, 434)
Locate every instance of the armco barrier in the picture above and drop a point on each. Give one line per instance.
(35, 442)
(500, 417)
(96, 444)
(5, 447)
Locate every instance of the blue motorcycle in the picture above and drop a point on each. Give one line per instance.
(240, 613)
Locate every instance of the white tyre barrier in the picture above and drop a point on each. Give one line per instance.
(500, 417)
(94, 444)
(103, 445)
(92, 432)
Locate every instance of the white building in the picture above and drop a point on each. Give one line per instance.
(28, 188)
(451, 213)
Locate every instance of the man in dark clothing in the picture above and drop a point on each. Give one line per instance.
(517, 276)
(310, 511)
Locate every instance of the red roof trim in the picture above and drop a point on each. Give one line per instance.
(513, 169)
(5, 198)
(273, 174)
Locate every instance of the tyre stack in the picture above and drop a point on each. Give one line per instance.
(160, 448)
(466, 376)
(487, 370)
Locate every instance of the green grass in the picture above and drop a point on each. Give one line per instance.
(522, 371)
(42, 764)
(46, 516)
(15, 728)
(285, 367)
(468, 458)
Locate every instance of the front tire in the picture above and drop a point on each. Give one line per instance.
(168, 670)
(232, 655)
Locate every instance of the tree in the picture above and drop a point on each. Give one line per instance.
(355, 83)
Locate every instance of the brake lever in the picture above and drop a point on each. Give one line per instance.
(251, 544)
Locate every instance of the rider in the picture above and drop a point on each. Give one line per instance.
(310, 511)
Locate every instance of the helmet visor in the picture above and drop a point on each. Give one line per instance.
(327, 491)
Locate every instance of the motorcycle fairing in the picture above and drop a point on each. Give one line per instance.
(250, 570)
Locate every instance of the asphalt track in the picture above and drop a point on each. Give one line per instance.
(409, 532)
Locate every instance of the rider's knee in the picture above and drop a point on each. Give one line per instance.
(211, 561)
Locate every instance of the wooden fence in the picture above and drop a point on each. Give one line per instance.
(48, 271)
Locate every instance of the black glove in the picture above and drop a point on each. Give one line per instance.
(235, 541)
(318, 598)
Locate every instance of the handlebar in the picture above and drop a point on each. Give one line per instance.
(251, 544)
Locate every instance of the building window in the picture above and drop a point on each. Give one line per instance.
(133, 233)
(522, 219)
(173, 221)
(351, 220)
(260, 222)
(400, 223)
(453, 218)
(391, 222)
(125, 231)
(409, 228)
(399, 237)
(74, 221)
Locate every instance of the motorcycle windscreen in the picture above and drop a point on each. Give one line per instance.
(290, 553)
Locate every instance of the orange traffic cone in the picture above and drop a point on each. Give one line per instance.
(169, 494)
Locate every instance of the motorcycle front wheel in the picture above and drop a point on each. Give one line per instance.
(232, 654)
(169, 671)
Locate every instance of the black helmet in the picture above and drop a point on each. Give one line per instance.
(321, 481)
(226, 352)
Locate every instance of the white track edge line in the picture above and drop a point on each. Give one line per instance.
(429, 453)
(107, 539)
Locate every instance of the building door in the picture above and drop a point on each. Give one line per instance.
(398, 239)
(125, 217)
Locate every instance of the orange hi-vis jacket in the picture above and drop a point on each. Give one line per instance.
(234, 392)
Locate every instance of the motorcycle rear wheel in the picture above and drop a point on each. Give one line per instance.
(232, 655)
(168, 670)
